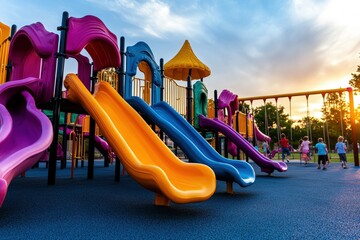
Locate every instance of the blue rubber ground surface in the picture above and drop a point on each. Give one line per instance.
(302, 203)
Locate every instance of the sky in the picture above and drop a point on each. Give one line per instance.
(253, 47)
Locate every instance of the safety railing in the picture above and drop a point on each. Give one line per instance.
(174, 94)
(109, 75)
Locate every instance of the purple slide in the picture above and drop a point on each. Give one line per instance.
(25, 132)
(263, 162)
(260, 136)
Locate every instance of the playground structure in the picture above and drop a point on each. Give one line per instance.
(137, 55)
(183, 134)
(141, 151)
(228, 103)
(174, 125)
(323, 93)
(33, 44)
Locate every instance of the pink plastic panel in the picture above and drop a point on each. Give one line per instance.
(91, 34)
(33, 54)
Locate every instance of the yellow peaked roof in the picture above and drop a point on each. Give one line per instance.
(178, 67)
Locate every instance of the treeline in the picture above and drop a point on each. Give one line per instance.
(335, 121)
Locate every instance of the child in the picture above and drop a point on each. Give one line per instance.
(305, 149)
(340, 148)
(284, 143)
(266, 149)
(322, 153)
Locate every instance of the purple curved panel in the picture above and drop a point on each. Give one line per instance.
(229, 101)
(89, 32)
(33, 54)
(84, 70)
(20, 148)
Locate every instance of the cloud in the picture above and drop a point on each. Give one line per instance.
(297, 46)
(154, 17)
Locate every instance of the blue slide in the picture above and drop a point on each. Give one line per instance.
(193, 144)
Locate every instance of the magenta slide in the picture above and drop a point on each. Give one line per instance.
(266, 164)
(260, 135)
(25, 132)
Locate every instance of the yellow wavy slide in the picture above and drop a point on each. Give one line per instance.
(146, 158)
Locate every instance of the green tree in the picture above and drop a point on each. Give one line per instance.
(355, 80)
(336, 116)
(270, 127)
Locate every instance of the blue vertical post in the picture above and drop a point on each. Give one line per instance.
(57, 100)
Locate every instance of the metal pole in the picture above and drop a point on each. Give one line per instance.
(162, 79)
(324, 132)
(266, 119)
(277, 120)
(238, 130)
(91, 149)
(341, 115)
(121, 92)
(247, 132)
(57, 100)
(161, 89)
(122, 67)
(217, 140)
(291, 135)
(353, 127)
(9, 64)
(189, 99)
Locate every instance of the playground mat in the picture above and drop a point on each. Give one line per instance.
(302, 203)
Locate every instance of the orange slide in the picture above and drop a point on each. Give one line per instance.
(146, 158)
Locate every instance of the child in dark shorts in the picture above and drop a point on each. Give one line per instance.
(322, 153)
(340, 148)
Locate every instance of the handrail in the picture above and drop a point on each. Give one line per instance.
(174, 94)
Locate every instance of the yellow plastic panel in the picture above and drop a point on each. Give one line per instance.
(242, 122)
(251, 128)
(4, 50)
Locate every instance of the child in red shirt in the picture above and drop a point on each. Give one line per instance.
(284, 144)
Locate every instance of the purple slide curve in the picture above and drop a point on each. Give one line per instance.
(263, 162)
(25, 132)
(260, 135)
